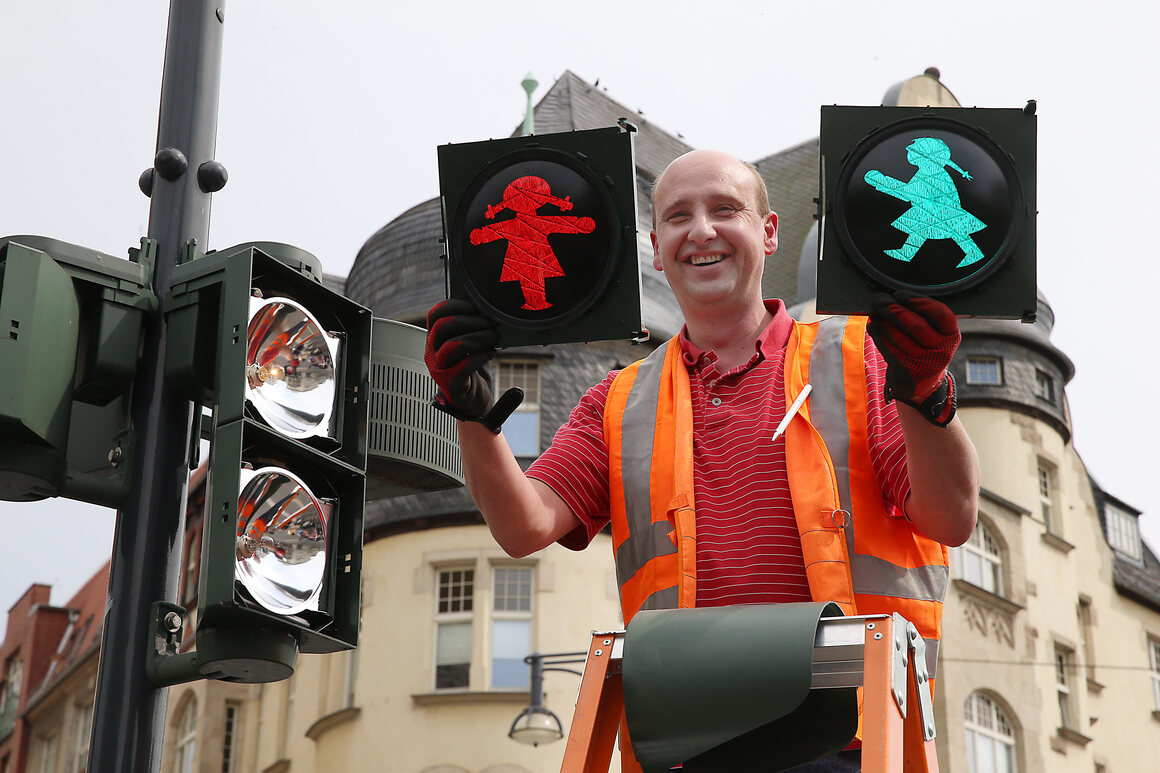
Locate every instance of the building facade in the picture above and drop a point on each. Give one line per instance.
(50, 667)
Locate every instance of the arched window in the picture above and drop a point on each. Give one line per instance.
(186, 737)
(980, 560)
(990, 737)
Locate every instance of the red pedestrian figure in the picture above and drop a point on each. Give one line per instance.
(529, 259)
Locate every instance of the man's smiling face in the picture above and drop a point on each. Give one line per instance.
(711, 238)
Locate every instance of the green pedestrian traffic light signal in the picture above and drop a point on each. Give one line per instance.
(935, 210)
(937, 201)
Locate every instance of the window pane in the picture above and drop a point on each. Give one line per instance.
(1044, 386)
(511, 642)
(453, 655)
(229, 742)
(990, 739)
(985, 757)
(83, 731)
(456, 587)
(513, 589)
(983, 370)
(1005, 762)
(522, 431)
(49, 761)
(453, 644)
(187, 738)
(991, 578)
(1123, 534)
(972, 568)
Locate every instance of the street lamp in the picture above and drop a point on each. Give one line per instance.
(537, 724)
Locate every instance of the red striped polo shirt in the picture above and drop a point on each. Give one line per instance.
(748, 550)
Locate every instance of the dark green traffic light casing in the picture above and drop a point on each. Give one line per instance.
(938, 201)
(70, 331)
(206, 357)
(541, 234)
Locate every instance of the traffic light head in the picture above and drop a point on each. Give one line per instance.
(937, 201)
(541, 234)
(280, 364)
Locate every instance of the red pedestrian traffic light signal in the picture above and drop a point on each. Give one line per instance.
(529, 258)
(541, 234)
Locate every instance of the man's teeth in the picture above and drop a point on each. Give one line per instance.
(705, 260)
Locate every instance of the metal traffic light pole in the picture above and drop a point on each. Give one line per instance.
(129, 713)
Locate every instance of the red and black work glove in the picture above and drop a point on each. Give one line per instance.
(460, 344)
(917, 336)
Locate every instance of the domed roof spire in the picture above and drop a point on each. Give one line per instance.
(529, 83)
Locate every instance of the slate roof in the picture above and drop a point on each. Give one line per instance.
(792, 179)
(334, 282)
(572, 104)
(1139, 582)
(398, 273)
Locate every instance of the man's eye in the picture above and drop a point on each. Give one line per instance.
(677, 217)
(725, 209)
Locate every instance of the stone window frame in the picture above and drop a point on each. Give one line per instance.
(992, 556)
(971, 373)
(996, 726)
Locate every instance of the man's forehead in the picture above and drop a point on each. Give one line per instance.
(682, 182)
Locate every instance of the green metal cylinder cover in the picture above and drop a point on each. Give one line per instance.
(249, 655)
(728, 688)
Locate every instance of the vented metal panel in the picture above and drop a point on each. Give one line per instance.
(411, 447)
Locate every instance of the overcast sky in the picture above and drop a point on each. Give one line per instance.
(331, 113)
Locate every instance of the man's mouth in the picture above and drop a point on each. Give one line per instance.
(706, 260)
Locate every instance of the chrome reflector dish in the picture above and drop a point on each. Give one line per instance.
(290, 368)
(281, 547)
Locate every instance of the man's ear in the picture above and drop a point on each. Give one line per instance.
(771, 233)
(656, 251)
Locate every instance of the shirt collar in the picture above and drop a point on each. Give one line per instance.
(772, 339)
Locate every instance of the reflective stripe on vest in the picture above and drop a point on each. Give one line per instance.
(651, 495)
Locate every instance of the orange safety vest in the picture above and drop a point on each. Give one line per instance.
(855, 553)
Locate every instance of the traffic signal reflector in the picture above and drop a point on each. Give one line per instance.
(281, 551)
(290, 368)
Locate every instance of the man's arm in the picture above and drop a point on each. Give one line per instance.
(917, 337)
(944, 478)
(524, 514)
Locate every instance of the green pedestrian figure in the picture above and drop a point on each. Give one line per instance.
(935, 211)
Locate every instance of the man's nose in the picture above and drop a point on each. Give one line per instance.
(701, 230)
